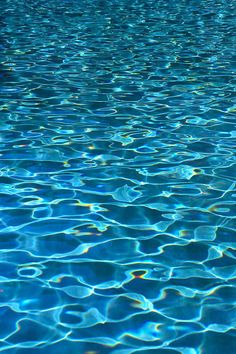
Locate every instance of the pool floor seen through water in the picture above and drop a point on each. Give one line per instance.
(117, 177)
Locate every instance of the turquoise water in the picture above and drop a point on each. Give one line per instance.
(117, 177)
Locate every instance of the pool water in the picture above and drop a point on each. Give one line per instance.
(117, 177)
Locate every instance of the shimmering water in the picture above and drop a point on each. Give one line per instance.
(117, 171)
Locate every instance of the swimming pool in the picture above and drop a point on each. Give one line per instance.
(117, 171)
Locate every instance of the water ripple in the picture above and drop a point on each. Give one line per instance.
(117, 177)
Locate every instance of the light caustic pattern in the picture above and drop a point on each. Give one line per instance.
(117, 177)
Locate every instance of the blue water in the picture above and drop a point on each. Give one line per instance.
(117, 177)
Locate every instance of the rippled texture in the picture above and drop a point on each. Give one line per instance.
(117, 171)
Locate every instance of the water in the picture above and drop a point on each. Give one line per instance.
(117, 171)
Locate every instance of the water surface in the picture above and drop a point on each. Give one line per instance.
(117, 177)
